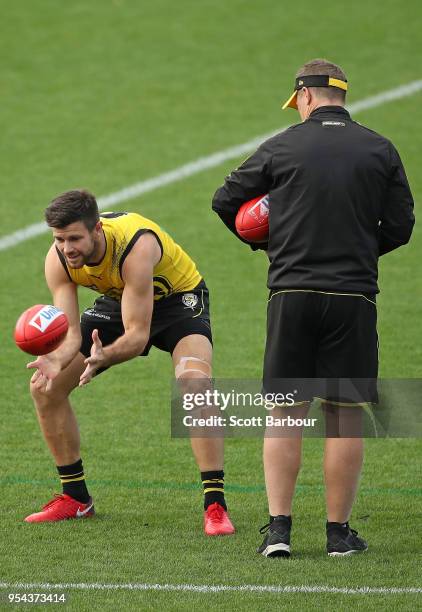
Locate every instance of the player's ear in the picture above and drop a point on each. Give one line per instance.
(98, 226)
(308, 95)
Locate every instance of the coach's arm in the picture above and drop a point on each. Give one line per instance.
(250, 180)
(397, 218)
(137, 306)
(65, 296)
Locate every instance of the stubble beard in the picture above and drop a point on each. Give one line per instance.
(86, 258)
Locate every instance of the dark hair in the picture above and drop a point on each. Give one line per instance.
(323, 66)
(73, 206)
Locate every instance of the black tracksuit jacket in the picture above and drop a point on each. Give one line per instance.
(339, 198)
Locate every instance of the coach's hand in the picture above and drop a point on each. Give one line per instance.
(47, 368)
(93, 363)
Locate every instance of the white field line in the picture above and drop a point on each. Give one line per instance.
(202, 163)
(209, 588)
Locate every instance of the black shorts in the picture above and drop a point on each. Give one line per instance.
(173, 318)
(318, 335)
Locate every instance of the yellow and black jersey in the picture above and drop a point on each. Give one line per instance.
(175, 272)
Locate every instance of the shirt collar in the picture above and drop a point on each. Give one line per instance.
(330, 110)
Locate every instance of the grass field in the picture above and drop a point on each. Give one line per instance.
(104, 94)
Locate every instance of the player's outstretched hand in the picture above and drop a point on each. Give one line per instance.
(47, 368)
(93, 363)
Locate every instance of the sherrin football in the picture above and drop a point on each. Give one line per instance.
(252, 219)
(41, 329)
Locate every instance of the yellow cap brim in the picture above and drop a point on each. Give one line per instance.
(332, 82)
(291, 102)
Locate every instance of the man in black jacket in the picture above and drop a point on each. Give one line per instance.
(339, 198)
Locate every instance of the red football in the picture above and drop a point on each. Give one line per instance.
(252, 219)
(41, 329)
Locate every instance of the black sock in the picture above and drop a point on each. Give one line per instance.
(339, 526)
(213, 483)
(73, 481)
(281, 516)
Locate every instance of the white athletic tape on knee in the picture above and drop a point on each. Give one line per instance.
(185, 365)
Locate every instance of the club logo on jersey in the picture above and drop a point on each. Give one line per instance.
(44, 317)
(190, 300)
(259, 211)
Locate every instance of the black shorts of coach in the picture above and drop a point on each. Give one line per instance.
(173, 318)
(328, 338)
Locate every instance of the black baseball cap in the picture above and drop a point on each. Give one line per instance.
(313, 80)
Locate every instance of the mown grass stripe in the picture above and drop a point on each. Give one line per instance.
(186, 486)
(211, 588)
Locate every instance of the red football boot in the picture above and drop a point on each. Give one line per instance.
(217, 521)
(60, 508)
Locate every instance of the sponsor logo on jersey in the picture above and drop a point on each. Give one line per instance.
(91, 312)
(333, 124)
(190, 300)
(44, 317)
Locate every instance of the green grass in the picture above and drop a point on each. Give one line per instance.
(104, 94)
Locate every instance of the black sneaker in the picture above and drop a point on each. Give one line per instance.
(342, 541)
(277, 540)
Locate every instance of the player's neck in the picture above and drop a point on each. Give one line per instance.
(99, 250)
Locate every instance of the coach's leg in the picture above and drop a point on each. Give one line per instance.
(192, 360)
(343, 460)
(55, 415)
(282, 461)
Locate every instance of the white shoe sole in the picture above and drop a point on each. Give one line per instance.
(345, 554)
(276, 548)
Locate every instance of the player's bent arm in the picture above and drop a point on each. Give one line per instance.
(137, 301)
(65, 297)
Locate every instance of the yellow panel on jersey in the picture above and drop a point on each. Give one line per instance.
(175, 272)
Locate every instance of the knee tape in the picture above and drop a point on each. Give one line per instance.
(192, 364)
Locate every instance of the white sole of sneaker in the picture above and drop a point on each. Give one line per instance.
(345, 554)
(277, 550)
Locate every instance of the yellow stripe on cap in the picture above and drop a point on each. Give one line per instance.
(332, 82)
(337, 83)
(291, 102)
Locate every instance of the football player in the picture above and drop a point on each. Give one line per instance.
(151, 294)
